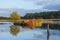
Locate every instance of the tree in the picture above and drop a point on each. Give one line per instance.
(15, 17)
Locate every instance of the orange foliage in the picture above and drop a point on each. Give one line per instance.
(31, 24)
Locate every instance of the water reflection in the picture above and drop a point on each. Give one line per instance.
(14, 32)
(14, 29)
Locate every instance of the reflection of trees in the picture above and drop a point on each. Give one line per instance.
(14, 30)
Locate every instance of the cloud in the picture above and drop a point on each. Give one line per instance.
(49, 4)
(46, 4)
(52, 7)
(28, 4)
(24, 6)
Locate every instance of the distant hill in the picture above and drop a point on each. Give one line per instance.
(22, 12)
(44, 15)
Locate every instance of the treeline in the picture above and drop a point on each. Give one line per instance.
(45, 15)
(4, 18)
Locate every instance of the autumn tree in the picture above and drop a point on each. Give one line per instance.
(15, 17)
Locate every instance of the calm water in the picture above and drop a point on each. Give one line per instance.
(10, 32)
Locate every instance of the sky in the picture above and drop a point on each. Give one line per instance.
(24, 6)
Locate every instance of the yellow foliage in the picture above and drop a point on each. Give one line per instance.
(38, 23)
(15, 17)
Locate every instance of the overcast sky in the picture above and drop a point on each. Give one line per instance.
(28, 5)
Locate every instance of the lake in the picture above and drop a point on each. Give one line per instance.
(10, 32)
